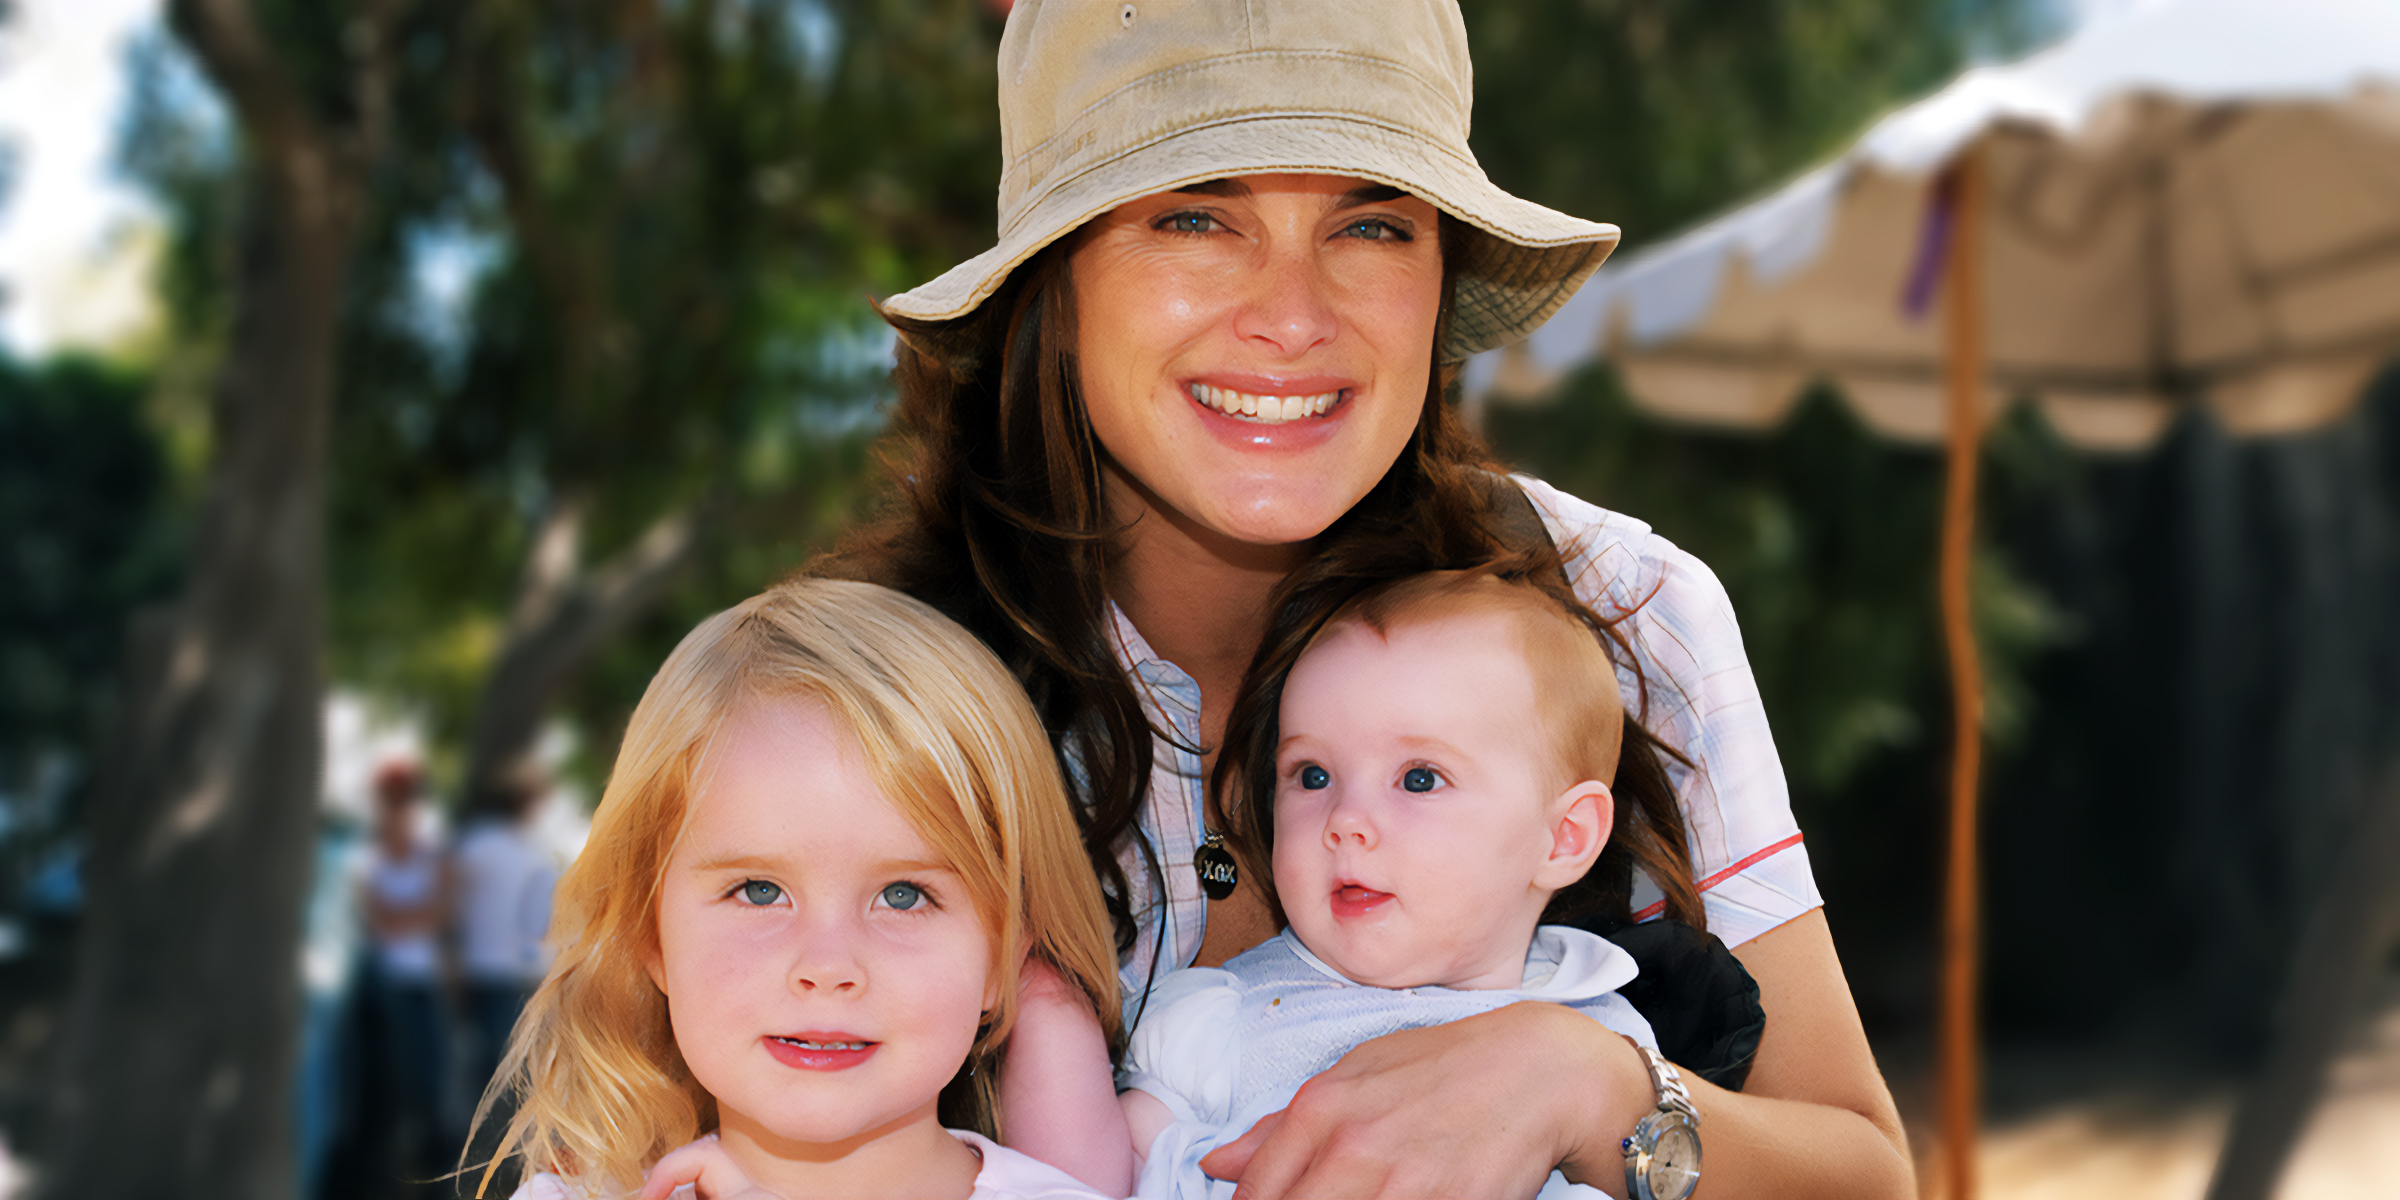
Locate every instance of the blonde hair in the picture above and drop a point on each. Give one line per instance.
(950, 739)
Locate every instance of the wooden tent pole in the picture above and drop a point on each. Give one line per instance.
(1960, 1081)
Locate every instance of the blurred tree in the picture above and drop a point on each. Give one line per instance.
(655, 362)
(181, 1034)
(88, 533)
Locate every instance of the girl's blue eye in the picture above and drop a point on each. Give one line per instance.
(1418, 779)
(1314, 778)
(761, 893)
(902, 896)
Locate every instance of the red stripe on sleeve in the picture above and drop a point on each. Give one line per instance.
(1652, 910)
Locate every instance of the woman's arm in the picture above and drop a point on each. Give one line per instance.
(1058, 1094)
(1482, 1106)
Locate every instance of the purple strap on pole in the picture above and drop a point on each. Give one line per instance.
(1933, 248)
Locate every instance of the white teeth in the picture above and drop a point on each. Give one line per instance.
(824, 1045)
(1269, 410)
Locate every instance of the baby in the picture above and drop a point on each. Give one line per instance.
(1439, 775)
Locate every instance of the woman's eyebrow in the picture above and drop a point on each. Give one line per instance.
(1371, 193)
(1215, 187)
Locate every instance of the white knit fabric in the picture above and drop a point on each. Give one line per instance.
(1222, 1048)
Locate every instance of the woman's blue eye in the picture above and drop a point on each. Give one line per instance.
(1375, 230)
(761, 893)
(902, 896)
(1418, 779)
(1190, 222)
(1314, 778)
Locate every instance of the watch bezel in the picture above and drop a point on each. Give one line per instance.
(1641, 1149)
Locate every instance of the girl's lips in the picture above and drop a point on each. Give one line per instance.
(1356, 900)
(820, 1051)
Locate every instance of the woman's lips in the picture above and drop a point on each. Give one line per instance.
(1357, 900)
(1269, 408)
(820, 1051)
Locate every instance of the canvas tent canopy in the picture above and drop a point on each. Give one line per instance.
(2190, 202)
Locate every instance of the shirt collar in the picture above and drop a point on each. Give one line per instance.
(1563, 965)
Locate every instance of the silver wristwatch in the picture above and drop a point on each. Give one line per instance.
(1662, 1156)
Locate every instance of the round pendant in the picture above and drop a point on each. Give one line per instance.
(1218, 873)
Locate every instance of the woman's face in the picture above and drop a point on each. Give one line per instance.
(1255, 350)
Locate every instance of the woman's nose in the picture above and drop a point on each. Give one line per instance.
(1289, 308)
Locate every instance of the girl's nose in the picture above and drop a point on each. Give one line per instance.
(827, 960)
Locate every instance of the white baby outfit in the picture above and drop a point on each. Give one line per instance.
(1005, 1175)
(1223, 1047)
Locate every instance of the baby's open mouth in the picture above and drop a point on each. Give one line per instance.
(1357, 900)
(1266, 410)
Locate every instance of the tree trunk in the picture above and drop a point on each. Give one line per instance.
(562, 612)
(181, 1045)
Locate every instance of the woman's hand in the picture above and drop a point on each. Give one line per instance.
(1479, 1107)
(704, 1165)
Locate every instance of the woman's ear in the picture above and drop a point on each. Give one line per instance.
(1580, 819)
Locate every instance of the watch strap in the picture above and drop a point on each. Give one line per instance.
(1671, 1092)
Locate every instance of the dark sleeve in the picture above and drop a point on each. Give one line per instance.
(1698, 998)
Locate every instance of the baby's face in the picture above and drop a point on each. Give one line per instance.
(1414, 804)
(823, 970)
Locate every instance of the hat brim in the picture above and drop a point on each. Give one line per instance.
(1529, 262)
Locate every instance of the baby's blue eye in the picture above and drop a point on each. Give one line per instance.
(902, 896)
(1418, 779)
(761, 893)
(1314, 778)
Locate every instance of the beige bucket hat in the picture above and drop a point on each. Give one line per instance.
(1103, 101)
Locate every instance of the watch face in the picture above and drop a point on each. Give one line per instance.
(1675, 1163)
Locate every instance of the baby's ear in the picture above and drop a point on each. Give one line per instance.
(1580, 819)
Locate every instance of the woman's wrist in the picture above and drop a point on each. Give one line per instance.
(1595, 1106)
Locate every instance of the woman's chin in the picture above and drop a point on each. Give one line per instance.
(1280, 516)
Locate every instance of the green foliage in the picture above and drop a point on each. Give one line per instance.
(655, 227)
(89, 533)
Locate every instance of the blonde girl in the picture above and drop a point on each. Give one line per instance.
(834, 836)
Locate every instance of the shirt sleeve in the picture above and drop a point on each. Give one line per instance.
(1691, 682)
(1180, 1051)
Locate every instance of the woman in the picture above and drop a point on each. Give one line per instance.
(1243, 247)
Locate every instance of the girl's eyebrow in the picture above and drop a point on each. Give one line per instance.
(760, 862)
(746, 862)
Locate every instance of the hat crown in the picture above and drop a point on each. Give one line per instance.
(1083, 82)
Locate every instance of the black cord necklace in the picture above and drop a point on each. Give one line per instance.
(1218, 871)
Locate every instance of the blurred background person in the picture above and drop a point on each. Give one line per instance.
(405, 889)
(505, 877)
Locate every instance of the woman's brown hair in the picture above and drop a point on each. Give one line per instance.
(997, 517)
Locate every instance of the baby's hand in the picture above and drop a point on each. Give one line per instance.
(701, 1169)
